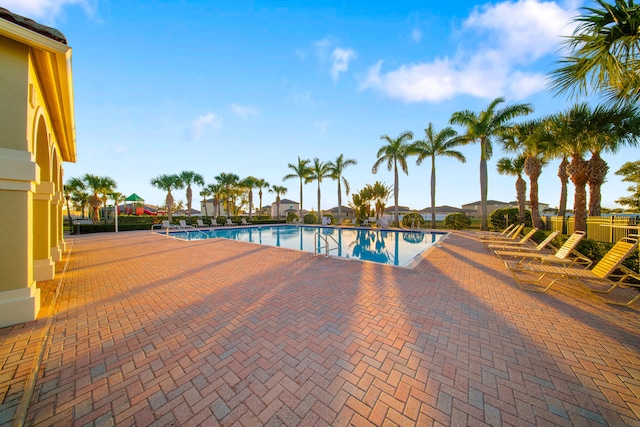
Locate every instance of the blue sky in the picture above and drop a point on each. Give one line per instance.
(245, 87)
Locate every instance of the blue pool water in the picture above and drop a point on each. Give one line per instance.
(383, 246)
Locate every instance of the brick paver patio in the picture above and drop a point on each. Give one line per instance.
(138, 329)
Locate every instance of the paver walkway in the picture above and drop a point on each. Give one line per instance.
(147, 330)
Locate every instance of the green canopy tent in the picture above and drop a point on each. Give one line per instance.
(136, 200)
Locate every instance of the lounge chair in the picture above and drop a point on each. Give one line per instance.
(496, 233)
(601, 274)
(244, 222)
(523, 241)
(229, 222)
(183, 224)
(383, 223)
(510, 236)
(167, 224)
(214, 223)
(522, 248)
(200, 223)
(565, 255)
(365, 223)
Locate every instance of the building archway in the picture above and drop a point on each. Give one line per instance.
(43, 265)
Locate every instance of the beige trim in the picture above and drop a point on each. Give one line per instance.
(43, 269)
(19, 305)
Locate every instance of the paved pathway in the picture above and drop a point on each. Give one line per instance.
(146, 330)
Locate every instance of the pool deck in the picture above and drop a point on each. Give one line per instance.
(139, 329)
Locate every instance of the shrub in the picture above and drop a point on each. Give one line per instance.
(412, 219)
(292, 217)
(497, 218)
(457, 221)
(221, 220)
(310, 219)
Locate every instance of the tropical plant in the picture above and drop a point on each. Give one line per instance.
(205, 192)
(278, 190)
(515, 167)
(395, 154)
(260, 184)
(228, 184)
(457, 221)
(483, 127)
(188, 178)
(79, 194)
(249, 183)
(167, 183)
(301, 170)
(107, 186)
(336, 169)
(318, 171)
(603, 53)
(630, 171)
(379, 194)
(435, 144)
(117, 198)
(97, 184)
(528, 140)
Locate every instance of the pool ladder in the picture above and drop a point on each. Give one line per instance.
(325, 238)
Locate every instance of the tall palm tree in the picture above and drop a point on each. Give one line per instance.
(205, 192)
(394, 153)
(319, 170)
(483, 127)
(214, 191)
(261, 184)
(249, 183)
(336, 169)
(167, 183)
(515, 167)
(278, 190)
(436, 144)
(528, 140)
(107, 186)
(188, 178)
(301, 170)
(95, 184)
(603, 53)
(228, 183)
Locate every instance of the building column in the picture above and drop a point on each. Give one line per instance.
(56, 226)
(43, 265)
(19, 297)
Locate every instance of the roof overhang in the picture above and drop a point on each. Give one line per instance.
(52, 61)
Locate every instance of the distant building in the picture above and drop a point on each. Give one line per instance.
(286, 206)
(474, 210)
(443, 211)
(541, 206)
(346, 211)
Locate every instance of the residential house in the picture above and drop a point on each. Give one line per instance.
(474, 210)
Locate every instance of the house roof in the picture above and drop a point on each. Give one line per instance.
(342, 208)
(32, 25)
(284, 201)
(442, 209)
(400, 208)
(489, 202)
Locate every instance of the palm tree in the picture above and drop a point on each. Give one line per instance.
(319, 170)
(278, 190)
(436, 144)
(528, 140)
(117, 198)
(214, 191)
(228, 183)
(603, 53)
(261, 184)
(167, 183)
(301, 171)
(94, 184)
(107, 186)
(205, 192)
(77, 189)
(515, 167)
(394, 153)
(249, 183)
(483, 127)
(336, 170)
(188, 178)
(379, 194)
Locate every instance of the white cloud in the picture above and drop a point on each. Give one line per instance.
(200, 124)
(499, 47)
(416, 35)
(340, 61)
(243, 110)
(46, 11)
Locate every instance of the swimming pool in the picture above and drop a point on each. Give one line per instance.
(400, 248)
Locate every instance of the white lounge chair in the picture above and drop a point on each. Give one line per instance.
(229, 222)
(200, 223)
(184, 225)
(244, 222)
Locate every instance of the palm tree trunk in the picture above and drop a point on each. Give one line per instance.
(260, 196)
(250, 205)
(189, 199)
(319, 211)
(169, 203)
(579, 171)
(395, 193)
(69, 213)
(521, 191)
(433, 192)
(95, 203)
(598, 169)
(300, 208)
(339, 200)
(564, 179)
(483, 192)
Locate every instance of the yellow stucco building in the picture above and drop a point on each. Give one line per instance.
(37, 134)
